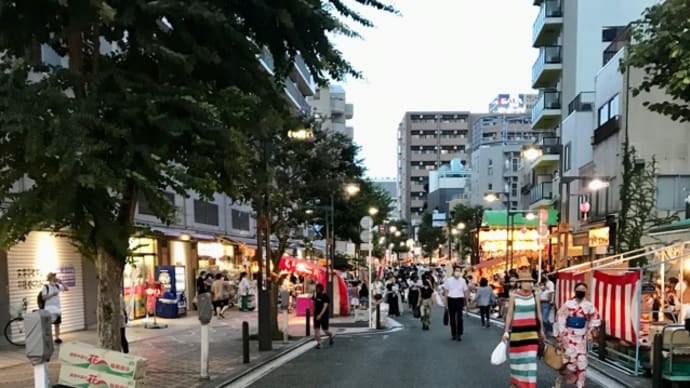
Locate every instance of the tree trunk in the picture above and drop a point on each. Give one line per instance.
(109, 271)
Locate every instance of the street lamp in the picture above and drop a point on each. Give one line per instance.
(531, 153)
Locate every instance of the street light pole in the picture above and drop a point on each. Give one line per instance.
(331, 254)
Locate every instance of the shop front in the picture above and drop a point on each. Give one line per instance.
(30, 261)
(138, 273)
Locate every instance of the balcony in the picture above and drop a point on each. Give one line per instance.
(541, 195)
(546, 113)
(295, 96)
(302, 76)
(551, 150)
(606, 130)
(337, 105)
(547, 26)
(546, 71)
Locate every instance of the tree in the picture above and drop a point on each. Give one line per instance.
(472, 217)
(430, 237)
(157, 96)
(661, 48)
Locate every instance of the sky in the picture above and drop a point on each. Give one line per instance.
(438, 55)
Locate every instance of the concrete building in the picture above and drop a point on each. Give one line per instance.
(571, 36)
(496, 143)
(390, 185)
(449, 186)
(426, 141)
(329, 103)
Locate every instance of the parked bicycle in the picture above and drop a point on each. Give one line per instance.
(14, 330)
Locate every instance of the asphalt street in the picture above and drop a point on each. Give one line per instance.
(407, 358)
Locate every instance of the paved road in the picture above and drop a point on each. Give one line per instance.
(407, 358)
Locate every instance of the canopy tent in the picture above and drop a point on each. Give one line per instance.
(312, 270)
(498, 218)
(490, 263)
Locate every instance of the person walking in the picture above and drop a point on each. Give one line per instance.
(413, 293)
(392, 297)
(364, 295)
(456, 293)
(320, 306)
(218, 296)
(524, 330)
(51, 297)
(548, 290)
(484, 298)
(425, 300)
(576, 322)
(245, 289)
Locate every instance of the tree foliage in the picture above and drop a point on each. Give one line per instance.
(661, 48)
(155, 96)
(471, 216)
(429, 237)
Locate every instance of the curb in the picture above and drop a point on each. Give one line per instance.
(226, 380)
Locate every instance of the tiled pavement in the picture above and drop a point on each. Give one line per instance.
(173, 353)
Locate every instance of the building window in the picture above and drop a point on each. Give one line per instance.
(672, 191)
(240, 220)
(491, 162)
(205, 213)
(609, 110)
(566, 156)
(614, 106)
(603, 114)
(490, 186)
(490, 171)
(145, 208)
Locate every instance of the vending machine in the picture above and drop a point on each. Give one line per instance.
(173, 301)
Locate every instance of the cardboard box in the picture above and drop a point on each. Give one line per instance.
(90, 357)
(75, 376)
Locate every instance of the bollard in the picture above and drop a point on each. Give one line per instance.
(378, 316)
(602, 340)
(306, 321)
(657, 360)
(245, 342)
(286, 325)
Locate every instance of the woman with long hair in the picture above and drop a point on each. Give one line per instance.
(575, 323)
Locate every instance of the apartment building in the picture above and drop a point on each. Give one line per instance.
(328, 104)
(390, 185)
(571, 36)
(426, 141)
(495, 158)
(449, 186)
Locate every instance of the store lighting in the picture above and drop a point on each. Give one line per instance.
(530, 216)
(301, 134)
(491, 197)
(532, 153)
(597, 184)
(185, 237)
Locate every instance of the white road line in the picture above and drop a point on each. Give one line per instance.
(260, 372)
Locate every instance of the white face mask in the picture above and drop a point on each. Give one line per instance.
(457, 274)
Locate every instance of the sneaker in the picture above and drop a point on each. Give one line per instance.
(459, 338)
(318, 346)
(330, 340)
(58, 341)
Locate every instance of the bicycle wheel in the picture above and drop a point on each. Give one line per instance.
(14, 332)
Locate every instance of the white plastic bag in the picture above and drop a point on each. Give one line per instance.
(439, 300)
(498, 356)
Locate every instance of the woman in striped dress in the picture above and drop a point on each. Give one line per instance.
(523, 327)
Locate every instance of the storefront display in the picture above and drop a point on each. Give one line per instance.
(138, 271)
(309, 269)
(30, 261)
(173, 302)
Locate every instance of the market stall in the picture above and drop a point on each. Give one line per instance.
(317, 273)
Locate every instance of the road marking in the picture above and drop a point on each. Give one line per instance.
(260, 372)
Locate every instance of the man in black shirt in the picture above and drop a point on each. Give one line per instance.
(321, 301)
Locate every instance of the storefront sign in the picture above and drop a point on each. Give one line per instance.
(599, 237)
(29, 278)
(67, 275)
(214, 250)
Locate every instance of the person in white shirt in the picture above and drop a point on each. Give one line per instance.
(548, 290)
(456, 293)
(51, 297)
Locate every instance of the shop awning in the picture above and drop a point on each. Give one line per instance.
(497, 218)
(490, 263)
(170, 232)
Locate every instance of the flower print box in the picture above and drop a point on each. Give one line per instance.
(75, 376)
(107, 361)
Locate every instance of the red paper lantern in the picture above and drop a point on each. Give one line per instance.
(584, 207)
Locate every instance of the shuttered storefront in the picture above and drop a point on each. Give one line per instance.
(30, 261)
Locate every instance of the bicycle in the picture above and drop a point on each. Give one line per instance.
(14, 330)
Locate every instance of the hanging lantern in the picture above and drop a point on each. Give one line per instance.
(584, 208)
(543, 215)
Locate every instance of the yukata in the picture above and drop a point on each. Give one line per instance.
(574, 321)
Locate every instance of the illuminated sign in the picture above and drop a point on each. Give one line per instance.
(599, 237)
(214, 250)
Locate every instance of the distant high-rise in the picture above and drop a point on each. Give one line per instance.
(426, 141)
(390, 185)
(330, 106)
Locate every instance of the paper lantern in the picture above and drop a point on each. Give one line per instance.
(584, 207)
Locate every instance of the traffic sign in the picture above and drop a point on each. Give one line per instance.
(365, 236)
(366, 222)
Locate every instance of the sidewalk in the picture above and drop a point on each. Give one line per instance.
(173, 353)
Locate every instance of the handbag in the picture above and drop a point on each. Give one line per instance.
(416, 312)
(540, 348)
(446, 318)
(553, 356)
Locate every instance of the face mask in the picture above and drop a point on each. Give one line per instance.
(457, 274)
(526, 286)
(580, 294)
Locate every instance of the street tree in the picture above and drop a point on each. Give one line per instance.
(430, 237)
(154, 97)
(661, 48)
(472, 217)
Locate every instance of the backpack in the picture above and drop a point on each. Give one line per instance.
(39, 298)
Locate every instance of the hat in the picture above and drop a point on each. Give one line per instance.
(525, 276)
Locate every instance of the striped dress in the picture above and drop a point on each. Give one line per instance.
(524, 342)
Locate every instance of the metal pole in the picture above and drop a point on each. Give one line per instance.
(507, 228)
(371, 242)
(331, 254)
(539, 246)
(245, 342)
(204, 352)
(41, 379)
(265, 324)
